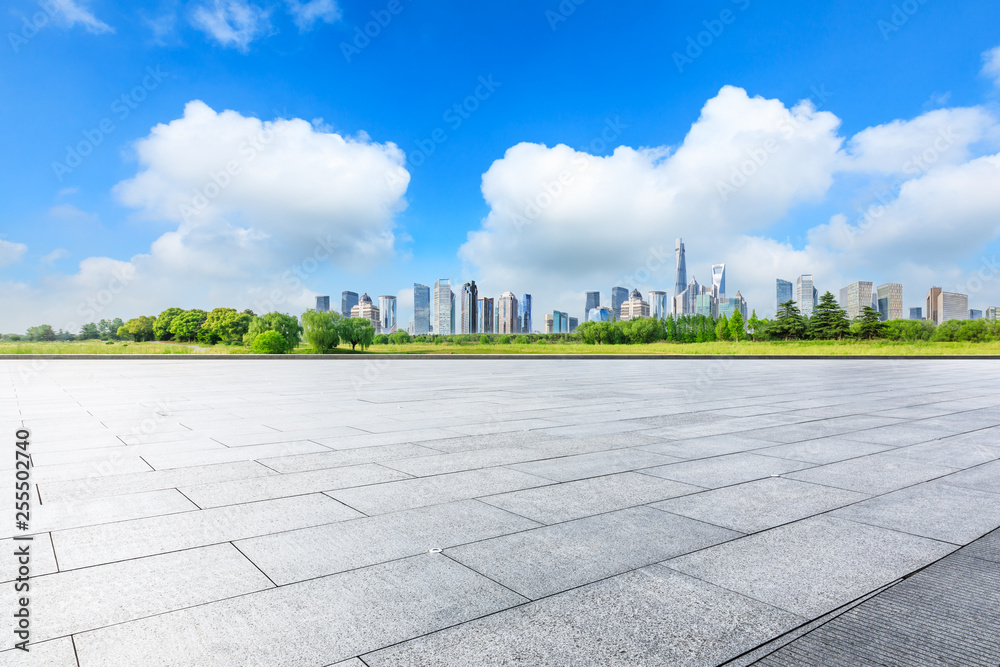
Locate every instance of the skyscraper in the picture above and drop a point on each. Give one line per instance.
(366, 309)
(916, 313)
(470, 304)
(953, 306)
(784, 293)
(507, 313)
(619, 295)
(347, 301)
(855, 297)
(805, 294)
(992, 313)
(322, 304)
(593, 301)
(975, 314)
(680, 276)
(890, 301)
(932, 305)
(560, 322)
(601, 314)
(421, 309)
(658, 304)
(524, 313)
(719, 280)
(387, 310)
(443, 306)
(684, 302)
(485, 315)
(549, 323)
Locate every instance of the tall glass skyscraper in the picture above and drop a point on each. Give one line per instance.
(470, 305)
(421, 309)
(593, 301)
(387, 311)
(619, 295)
(681, 276)
(524, 313)
(322, 304)
(485, 312)
(347, 301)
(444, 307)
(805, 294)
(784, 292)
(507, 313)
(719, 280)
(658, 304)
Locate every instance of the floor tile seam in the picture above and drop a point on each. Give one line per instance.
(256, 567)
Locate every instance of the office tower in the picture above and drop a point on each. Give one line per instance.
(784, 293)
(952, 306)
(890, 301)
(805, 294)
(719, 280)
(322, 304)
(602, 314)
(593, 301)
(560, 322)
(470, 305)
(443, 306)
(855, 297)
(916, 313)
(347, 301)
(684, 303)
(524, 313)
(932, 305)
(706, 304)
(992, 312)
(573, 324)
(387, 308)
(485, 315)
(366, 309)
(549, 323)
(496, 320)
(619, 295)
(634, 308)
(410, 329)
(975, 314)
(453, 320)
(421, 309)
(732, 305)
(657, 304)
(507, 313)
(680, 276)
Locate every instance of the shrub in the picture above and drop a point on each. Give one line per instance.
(268, 342)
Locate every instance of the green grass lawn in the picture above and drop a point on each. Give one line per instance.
(851, 348)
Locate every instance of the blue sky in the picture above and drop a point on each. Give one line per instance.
(885, 79)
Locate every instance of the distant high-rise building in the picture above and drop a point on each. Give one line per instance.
(322, 304)
(719, 280)
(916, 313)
(805, 294)
(732, 305)
(992, 312)
(507, 313)
(684, 303)
(657, 304)
(680, 275)
(454, 321)
(485, 314)
(890, 301)
(443, 306)
(619, 295)
(470, 305)
(593, 301)
(524, 313)
(387, 310)
(706, 304)
(573, 324)
(975, 314)
(634, 307)
(784, 293)
(856, 297)
(602, 314)
(932, 305)
(560, 322)
(549, 323)
(952, 306)
(347, 301)
(421, 309)
(366, 309)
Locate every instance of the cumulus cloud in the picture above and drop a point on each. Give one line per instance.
(71, 13)
(232, 23)
(991, 65)
(57, 254)
(306, 14)
(10, 252)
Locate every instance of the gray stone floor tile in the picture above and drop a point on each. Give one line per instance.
(823, 450)
(566, 501)
(934, 509)
(652, 616)
(950, 452)
(113, 463)
(714, 445)
(315, 622)
(445, 463)
(346, 457)
(55, 653)
(329, 549)
(711, 473)
(555, 558)
(107, 543)
(569, 468)
(911, 433)
(874, 474)
(43, 560)
(811, 566)
(232, 454)
(759, 505)
(423, 491)
(985, 477)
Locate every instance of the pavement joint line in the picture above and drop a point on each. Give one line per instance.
(250, 560)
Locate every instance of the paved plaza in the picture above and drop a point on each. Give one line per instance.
(381, 513)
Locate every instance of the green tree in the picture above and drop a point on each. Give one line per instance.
(400, 337)
(138, 328)
(357, 331)
(755, 326)
(829, 321)
(89, 332)
(788, 324)
(287, 326)
(226, 325)
(321, 329)
(736, 327)
(269, 342)
(722, 328)
(43, 332)
(870, 324)
(161, 330)
(185, 326)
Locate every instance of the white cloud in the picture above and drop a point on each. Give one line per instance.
(305, 14)
(10, 253)
(71, 12)
(57, 254)
(71, 213)
(991, 64)
(232, 23)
